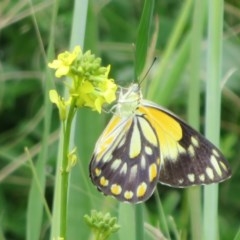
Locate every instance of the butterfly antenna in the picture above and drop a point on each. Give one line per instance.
(154, 60)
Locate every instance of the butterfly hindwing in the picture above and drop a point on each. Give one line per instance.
(187, 157)
(128, 168)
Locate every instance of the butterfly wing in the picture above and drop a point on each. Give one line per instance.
(187, 158)
(126, 163)
(144, 143)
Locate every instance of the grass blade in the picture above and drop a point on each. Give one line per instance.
(214, 61)
(143, 37)
(35, 203)
(194, 194)
(181, 22)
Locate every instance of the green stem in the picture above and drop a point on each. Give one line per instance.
(162, 218)
(213, 99)
(194, 194)
(65, 172)
(139, 222)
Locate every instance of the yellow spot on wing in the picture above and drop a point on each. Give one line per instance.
(202, 177)
(181, 149)
(107, 157)
(191, 177)
(103, 181)
(97, 171)
(116, 189)
(133, 172)
(180, 181)
(194, 141)
(115, 165)
(215, 164)
(148, 150)
(209, 172)
(141, 190)
(152, 171)
(223, 165)
(191, 151)
(215, 153)
(124, 169)
(128, 195)
(148, 132)
(143, 162)
(135, 142)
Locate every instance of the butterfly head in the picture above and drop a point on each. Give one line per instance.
(128, 100)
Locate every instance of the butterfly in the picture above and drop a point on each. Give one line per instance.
(144, 144)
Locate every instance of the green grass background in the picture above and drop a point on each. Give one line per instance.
(177, 33)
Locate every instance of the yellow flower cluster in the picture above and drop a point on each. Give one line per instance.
(90, 85)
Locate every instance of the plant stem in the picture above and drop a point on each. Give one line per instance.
(213, 99)
(162, 218)
(139, 222)
(194, 194)
(65, 172)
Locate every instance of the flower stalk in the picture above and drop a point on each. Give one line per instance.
(89, 86)
(65, 172)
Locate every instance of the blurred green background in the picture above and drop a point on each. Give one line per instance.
(111, 32)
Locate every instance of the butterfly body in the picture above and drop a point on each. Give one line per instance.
(145, 143)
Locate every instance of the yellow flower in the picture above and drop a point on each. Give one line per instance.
(82, 93)
(94, 95)
(108, 90)
(60, 102)
(90, 86)
(64, 61)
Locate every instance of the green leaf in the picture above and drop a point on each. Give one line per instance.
(143, 37)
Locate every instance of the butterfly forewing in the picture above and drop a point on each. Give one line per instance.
(129, 168)
(188, 158)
